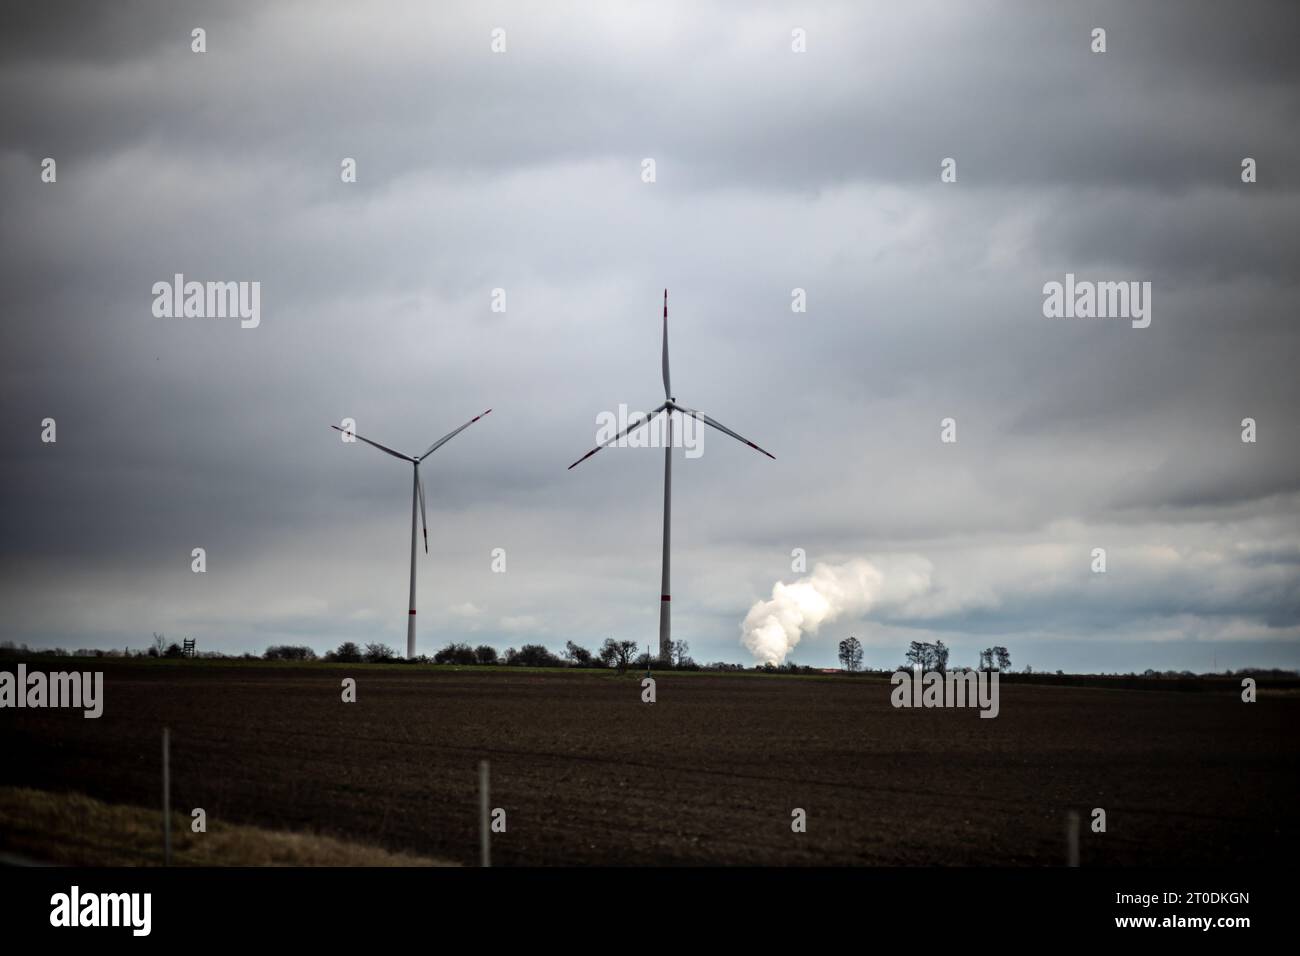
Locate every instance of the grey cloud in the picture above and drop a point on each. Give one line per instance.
(520, 171)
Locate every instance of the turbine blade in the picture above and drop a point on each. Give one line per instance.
(626, 431)
(375, 444)
(450, 435)
(723, 428)
(668, 388)
(424, 523)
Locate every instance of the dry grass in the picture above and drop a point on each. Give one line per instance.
(70, 829)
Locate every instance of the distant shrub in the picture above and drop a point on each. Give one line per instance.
(485, 655)
(347, 653)
(534, 655)
(577, 656)
(456, 653)
(617, 653)
(289, 652)
(789, 667)
(378, 653)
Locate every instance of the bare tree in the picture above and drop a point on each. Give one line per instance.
(618, 654)
(576, 655)
(851, 654)
(679, 653)
(159, 644)
(1004, 658)
(378, 653)
(921, 655)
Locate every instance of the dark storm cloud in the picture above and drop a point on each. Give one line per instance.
(886, 94)
(522, 171)
(84, 31)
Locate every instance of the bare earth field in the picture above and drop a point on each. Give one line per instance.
(588, 774)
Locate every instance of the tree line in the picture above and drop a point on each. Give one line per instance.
(381, 652)
(614, 653)
(925, 656)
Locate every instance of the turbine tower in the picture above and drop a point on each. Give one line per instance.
(417, 498)
(669, 406)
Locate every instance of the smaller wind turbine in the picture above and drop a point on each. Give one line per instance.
(669, 406)
(417, 496)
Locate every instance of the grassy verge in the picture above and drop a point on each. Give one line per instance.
(70, 829)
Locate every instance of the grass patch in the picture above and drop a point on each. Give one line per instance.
(71, 829)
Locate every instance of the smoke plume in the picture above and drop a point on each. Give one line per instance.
(773, 628)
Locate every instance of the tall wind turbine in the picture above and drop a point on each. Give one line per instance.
(668, 407)
(417, 496)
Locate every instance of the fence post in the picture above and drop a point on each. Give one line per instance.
(167, 797)
(1072, 838)
(485, 849)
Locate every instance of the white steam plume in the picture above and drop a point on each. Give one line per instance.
(773, 628)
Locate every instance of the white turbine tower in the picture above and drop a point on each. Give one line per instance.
(669, 406)
(417, 497)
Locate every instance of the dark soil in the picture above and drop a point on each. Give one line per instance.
(709, 774)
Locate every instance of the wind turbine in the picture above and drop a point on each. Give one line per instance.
(417, 496)
(669, 406)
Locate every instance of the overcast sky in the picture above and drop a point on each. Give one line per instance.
(775, 170)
